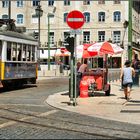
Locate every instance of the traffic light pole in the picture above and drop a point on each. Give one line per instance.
(73, 75)
(71, 46)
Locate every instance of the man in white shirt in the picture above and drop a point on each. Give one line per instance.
(84, 67)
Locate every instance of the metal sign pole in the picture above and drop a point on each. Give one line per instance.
(75, 20)
(71, 79)
(75, 78)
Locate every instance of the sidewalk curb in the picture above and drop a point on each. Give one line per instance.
(105, 107)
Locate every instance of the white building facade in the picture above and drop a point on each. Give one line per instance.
(104, 20)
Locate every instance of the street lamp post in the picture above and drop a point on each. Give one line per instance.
(49, 15)
(9, 10)
(125, 25)
(48, 41)
(39, 13)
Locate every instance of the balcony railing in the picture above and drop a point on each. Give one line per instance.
(136, 45)
(52, 45)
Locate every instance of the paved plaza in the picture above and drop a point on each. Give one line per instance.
(114, 107)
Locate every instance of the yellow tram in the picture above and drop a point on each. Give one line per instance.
(18, 59)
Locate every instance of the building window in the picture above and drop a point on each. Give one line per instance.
(51, 17)
(34, 18)
(117, 16)
(52, 38)
(66, 2)
(86, 37)
(65, 16)
(87, 17)
(117, 1)
(116, 36)
(19, 19)
(9, 46)
(50, 2)
(101, 36)
(101, 1)
(36, 2)
(86, 2)
(19, 3)
(101, 16)
(5, 16)
(66, 34)
(5, 3)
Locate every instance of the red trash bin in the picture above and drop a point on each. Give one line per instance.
(99, 82)
(83, 88)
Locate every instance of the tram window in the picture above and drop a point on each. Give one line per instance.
(8, 51)
(19, 48)
(33, 53)
(29, 53)
(14, 51)
(24, 53)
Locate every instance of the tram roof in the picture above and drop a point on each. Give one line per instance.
(17, 35)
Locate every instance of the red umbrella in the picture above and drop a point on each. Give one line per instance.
(82, 51)
(105, 48)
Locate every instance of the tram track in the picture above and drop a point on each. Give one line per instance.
(54, 127)
(52, 123)
(30, 119)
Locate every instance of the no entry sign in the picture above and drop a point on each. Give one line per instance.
(75, 19)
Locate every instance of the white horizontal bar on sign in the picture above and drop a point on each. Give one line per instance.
(75, 19)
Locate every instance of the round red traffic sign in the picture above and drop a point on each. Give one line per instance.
(75, 19)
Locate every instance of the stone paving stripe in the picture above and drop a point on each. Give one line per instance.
(132, 104)
(25, 118)
(130, 111)
(23, 105)
(135, 101)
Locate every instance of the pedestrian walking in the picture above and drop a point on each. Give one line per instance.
(136, 62)
(136, 66)
(83, 67)
(127, 74)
